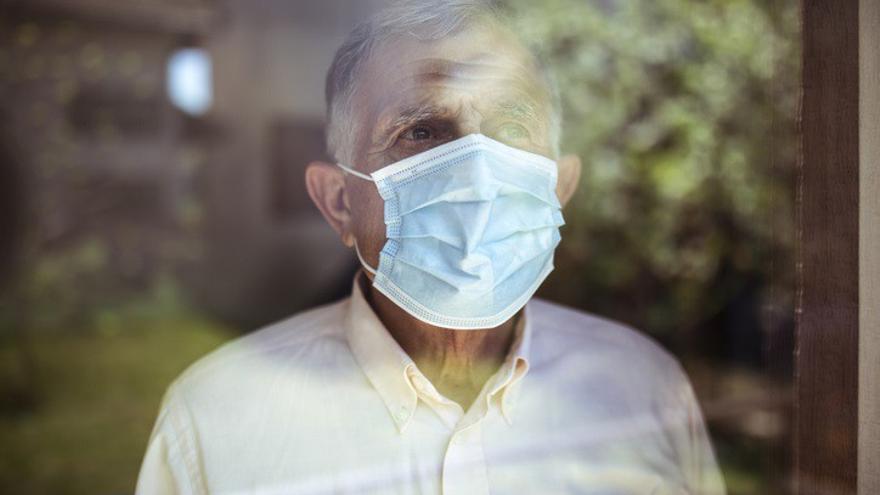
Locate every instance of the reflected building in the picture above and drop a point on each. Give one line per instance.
(112, 173)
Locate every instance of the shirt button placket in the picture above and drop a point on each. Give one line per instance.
(464, 466)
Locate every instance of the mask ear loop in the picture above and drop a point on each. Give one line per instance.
(355, 172)
(361, 259)
(357, 251)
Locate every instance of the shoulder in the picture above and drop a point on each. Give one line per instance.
(602, 375)
(311, 339)
(229, 406)
(588, 342)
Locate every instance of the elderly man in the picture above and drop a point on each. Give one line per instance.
(437, 375)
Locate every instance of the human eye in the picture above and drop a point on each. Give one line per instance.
(513, 132)
(422, 136)
(418, 132)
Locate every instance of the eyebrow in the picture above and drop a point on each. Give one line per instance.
(417, 113)
(519, 109)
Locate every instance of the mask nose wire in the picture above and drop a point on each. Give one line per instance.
(355, 172)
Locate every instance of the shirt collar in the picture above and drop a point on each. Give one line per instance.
(380, 356)
(387, 366)
(514, 368)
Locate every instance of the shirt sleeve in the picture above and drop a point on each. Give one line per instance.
(171, 464)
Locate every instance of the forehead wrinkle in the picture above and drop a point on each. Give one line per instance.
(448, 66)
(513, 58)
(412, 99)
(482, 65)
(507, 69)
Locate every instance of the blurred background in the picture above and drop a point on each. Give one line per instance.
(152, 205)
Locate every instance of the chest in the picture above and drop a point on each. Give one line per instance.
(560, 453)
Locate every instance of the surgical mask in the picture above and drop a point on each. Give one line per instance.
(471, 227)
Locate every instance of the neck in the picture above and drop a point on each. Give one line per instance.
(457, 362)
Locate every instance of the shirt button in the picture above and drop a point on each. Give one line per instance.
(402, 413)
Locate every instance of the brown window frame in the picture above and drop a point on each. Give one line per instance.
(827, 320)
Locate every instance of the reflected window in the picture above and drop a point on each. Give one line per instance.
(189, 80)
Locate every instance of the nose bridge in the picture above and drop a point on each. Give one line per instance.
(470, 119)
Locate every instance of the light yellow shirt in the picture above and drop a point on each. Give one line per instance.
(327, 402)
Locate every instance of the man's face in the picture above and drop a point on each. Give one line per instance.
(413, 96)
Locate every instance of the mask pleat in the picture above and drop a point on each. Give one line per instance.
(471, 230)
(456, 281)
(514, 264)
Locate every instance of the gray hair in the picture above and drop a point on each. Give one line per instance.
(427, 20)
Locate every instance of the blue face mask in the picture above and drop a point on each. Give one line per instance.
(471, 227)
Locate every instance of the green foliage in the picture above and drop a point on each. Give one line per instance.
(683, 114)
(76, 287)
(99, 389)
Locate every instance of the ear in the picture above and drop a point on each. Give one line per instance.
(569, 176)
(326, 186)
